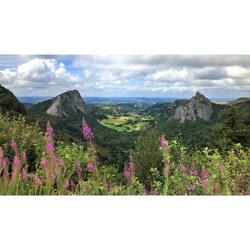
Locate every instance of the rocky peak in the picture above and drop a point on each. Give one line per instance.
(197, 107)
(67, 104)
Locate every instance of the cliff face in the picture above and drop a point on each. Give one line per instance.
(197, 107)
(67, 104)
(9, 103)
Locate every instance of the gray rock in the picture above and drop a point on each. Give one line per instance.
(67, 104)
(197, 107)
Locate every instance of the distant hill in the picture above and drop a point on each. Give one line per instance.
(9, 103)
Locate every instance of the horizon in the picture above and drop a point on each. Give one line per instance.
(127, 76)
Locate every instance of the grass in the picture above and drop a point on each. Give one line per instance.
(129, 123)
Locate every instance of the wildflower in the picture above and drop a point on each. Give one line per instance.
(204, 173)
(24, 156)
(58, 161)
(91, 167)
(204, 182)
(87, 131)
(44, 162)
(183, 169)
(129, 171)
(50, 148)
(193, 172)
(16, 162)
(49, 130)
(79, 171)
(13, 145)
(191, 187)
(4, 163)
(163, 142)
(25, 174)
(38, 181)
(107, 186)
(66, 184)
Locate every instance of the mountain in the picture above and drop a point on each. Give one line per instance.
(9, 102)
(197, 108)
(67, 104)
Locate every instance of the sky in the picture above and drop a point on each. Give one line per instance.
(181, 76)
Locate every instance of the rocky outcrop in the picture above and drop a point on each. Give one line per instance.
(67, 104)
(197, 107)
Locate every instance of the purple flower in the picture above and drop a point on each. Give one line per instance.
(86, 130)
(191, 187)
(183, 169)
(66, 184)
(193, 172)
(50, 148)
(204, 182)
(13, 145)
(49, 130)
(163, 142)
(91, 167)
(38, 181)
(129, 171)
(16, 162)
(204, 173)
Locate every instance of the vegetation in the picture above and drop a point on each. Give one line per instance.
(170, 169)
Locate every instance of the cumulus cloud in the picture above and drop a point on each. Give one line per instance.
(141, 75)
(38, 73)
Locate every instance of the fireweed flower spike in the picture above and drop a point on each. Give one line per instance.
(13, 145)
(49, 130)
(91, 167)
(86, 131)
(163, 142)
(129, 170)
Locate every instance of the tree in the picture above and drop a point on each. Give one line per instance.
(147, 155)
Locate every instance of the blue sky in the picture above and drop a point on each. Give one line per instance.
(127, 75)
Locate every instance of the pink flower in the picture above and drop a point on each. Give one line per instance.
(24, 156)
(66, 184)
(4, 163)
(204, 173)
(91, 167)
(204, 182)
(129, 171)
(16, 162)
(183, 169)
(49, 130)
(79, 171)
(13, 145)
(50, 148)
(44, 163)
(87, 132)
(25, 174)
(38, 181)
(193, 172)
(163, 142)
(191, 187)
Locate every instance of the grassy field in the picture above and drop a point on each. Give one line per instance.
(128, 123)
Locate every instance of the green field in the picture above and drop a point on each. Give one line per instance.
(126, 123)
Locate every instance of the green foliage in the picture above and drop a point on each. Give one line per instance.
(234, 127)
(147, 155)
(29, 137)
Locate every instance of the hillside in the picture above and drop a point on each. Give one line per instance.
(9, 103)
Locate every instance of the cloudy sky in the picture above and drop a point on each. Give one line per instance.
(127, 75)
